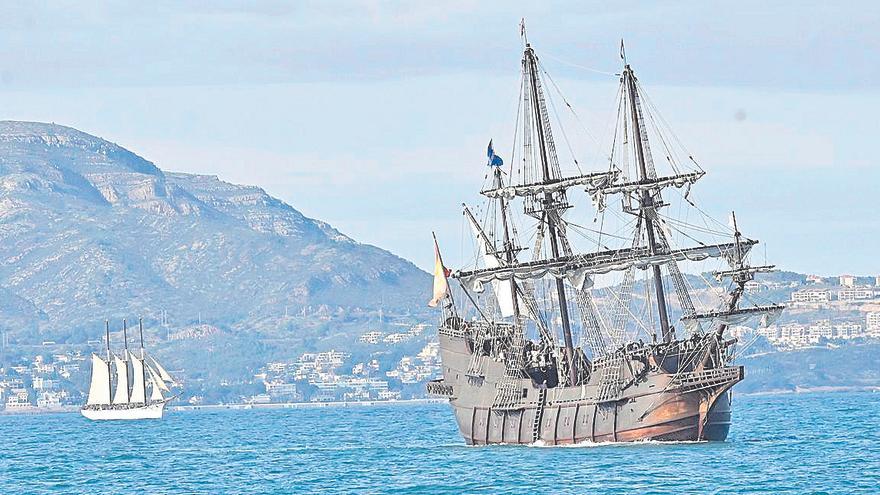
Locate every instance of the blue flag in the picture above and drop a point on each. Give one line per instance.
(494, 160)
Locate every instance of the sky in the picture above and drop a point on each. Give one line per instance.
(374, 116)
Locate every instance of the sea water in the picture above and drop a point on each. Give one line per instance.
(779, 444)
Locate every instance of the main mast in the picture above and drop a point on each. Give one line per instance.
(109, 377)
(550, 207)
(647, 207)
(143, 362)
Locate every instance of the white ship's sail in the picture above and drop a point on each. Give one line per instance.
(162, 372)
(157, 387)
(138, 390)
(121, 395)
(503, 292)
(99, 389)
(156, 379)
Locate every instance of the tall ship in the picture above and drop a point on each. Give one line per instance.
(569, 329)
(127, 385)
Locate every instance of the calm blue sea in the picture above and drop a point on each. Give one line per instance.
(809, 443)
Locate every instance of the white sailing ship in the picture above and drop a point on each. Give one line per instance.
(127, 386)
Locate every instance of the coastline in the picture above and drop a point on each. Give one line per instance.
(405, 402)
(216, 407)
(308, 405)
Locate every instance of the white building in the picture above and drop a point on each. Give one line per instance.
(371, 337)
(49, 400)
(331, 357)
(847, 281)
(18, 399)
(815, 279)
(877, 281)
(856, 294)
(396, 338)
(41, 383)
(281, 390)
(389, 395)
(847, 330)
(277, 367)
(794, 334)
(873, 321)
(820, 329)
(811, 296)
(770, 333)
(753, 287)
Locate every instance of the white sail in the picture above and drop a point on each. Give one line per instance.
(138, 389)
(156, 378)
(164, 374)
(99, 389)
(157, 385)
(121, 395)
(503, 292)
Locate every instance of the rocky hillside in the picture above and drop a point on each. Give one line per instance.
(90, 230)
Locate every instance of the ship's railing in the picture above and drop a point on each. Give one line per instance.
(437, 387)
(454, 331)
(711, 378)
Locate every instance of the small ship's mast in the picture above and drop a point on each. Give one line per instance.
(107, 333)
(109, 376)
(550, 206)
(647, 206)
(125, 336)
(141, 331)
(143, 362)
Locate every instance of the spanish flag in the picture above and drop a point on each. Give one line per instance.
(441, 286)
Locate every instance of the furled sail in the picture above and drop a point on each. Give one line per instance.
(767, 314)
(678, 181)
(138, 392)
(601, 262)
(591, 182)
(99, 389)
(121, 395)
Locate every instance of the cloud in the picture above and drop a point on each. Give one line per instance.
(784, 44)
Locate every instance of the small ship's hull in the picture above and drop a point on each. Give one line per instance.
(152, 410)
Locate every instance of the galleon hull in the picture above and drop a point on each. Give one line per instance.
(690, 406)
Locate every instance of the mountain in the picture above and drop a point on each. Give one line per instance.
(90, 230)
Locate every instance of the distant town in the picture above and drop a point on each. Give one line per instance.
(391, 365)
(838, 309)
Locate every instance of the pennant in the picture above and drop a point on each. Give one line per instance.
(494, 160)
(441, 285)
